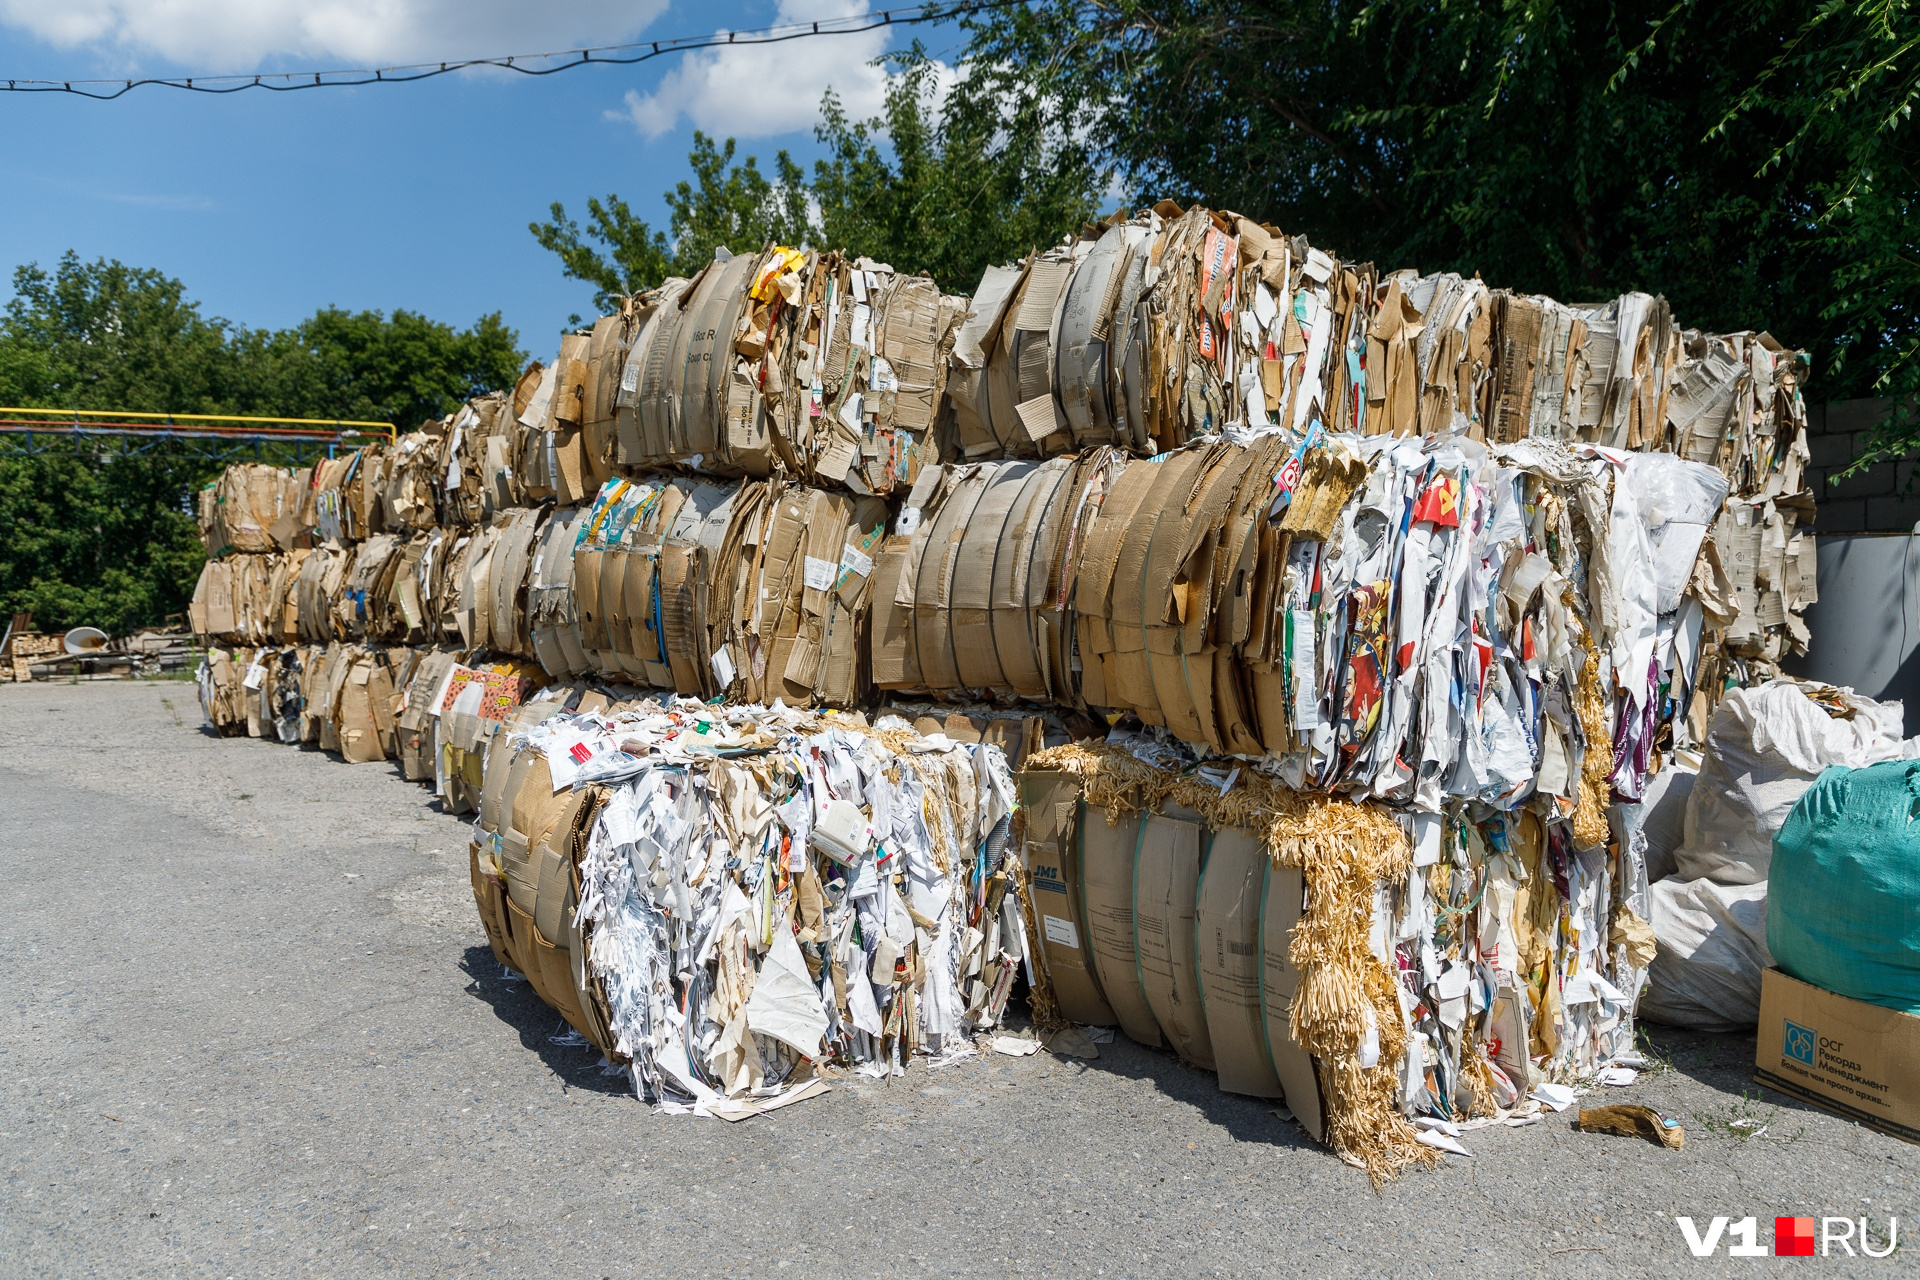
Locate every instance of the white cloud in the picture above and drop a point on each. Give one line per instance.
(749, 91)
(235, 35)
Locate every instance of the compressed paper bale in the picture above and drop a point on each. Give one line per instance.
(1346, 1001)
(1107, 871)
(1227, 939)
(983, 553)
(417, 723)
(935, 645)
(1054, 830)
(1166, 877)
(1021, 582)
(1281, 905)
(489, 897)
(1097, 587)
(1199, 642)
(364, 712)
(942, 905)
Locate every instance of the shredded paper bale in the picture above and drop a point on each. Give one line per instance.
(729, 900)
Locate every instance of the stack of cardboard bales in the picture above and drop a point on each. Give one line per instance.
(1395, 587)
(255, 522)
(1174, 326)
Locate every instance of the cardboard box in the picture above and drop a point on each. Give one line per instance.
(1857, 1059)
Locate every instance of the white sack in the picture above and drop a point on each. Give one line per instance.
(1663, 815)
(1713, 945)
(1765, 746)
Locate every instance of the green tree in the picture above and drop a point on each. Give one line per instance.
(92, 535)
(402, 368)
(947, 187)
(1752, 162)
(937, 183)
(727, 204)
(1843, 90)
(103, 335)
(735, 206)
(95, 538)
(637, 257)
(98, 540)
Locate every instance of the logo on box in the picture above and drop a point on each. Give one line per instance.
(1799, 1042)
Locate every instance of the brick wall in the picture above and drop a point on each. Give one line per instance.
(1885, 498)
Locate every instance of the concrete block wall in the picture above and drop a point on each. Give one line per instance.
(1885, 498)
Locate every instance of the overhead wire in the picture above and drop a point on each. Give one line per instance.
(528, 64)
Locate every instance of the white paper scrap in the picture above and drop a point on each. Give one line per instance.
(1557, 1096)
(1442, 1142)
(855, 561)
(1061, 931)
(819, 574)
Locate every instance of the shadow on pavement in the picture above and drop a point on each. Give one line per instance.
(1258, 1120)
(1722, 1061)
(514, 1003)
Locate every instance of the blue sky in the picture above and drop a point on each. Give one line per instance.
(269, 206)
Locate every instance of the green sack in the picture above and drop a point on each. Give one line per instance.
(1843, 902)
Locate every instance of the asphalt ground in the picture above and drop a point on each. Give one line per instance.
(250, 1026)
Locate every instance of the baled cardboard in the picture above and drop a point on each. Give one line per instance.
(1227, 931)
(967, 378)
(551, 618)
(1085, 322)
(1107, 851)
(507, 580)
(1022, 644)
(606, 354)
(1166, 876)
(418, 745)
(639, 431)
(935, 644)
(1096, 585)
(364, 709)
(983, 552)
(1283, 902)
(1054, 820)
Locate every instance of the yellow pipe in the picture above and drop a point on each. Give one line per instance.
(200, 417)
(386, 428)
